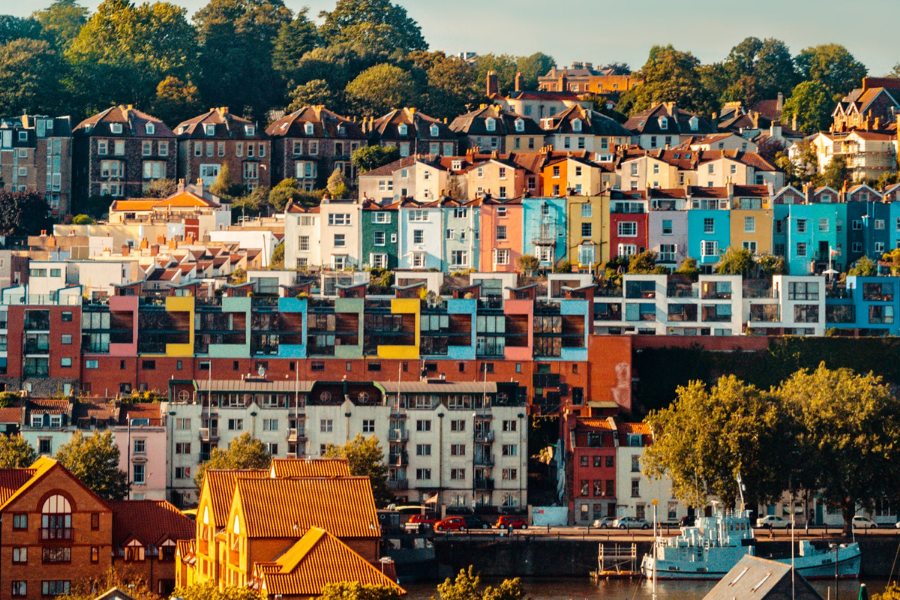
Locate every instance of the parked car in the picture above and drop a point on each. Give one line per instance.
(864, 523)
(604, 523)
(507, 521)
(423, 519)
(773, 522)
(631, 523)
(687, 521)
(460, 524)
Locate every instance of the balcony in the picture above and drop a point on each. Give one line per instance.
(56, 534)
(484, 484)
(398, 484)
(484, 436)
(295, 435)
(399, 460)
(484, 460)
(398, 435)
(209, 435)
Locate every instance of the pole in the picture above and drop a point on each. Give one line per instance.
(793, 577)
(653, 548)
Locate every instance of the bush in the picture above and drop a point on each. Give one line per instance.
(84, 220)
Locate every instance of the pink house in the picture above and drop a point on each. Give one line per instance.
(501, 234)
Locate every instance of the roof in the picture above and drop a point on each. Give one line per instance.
(449, 387)
(38, 470)
(114, 594)
(134, 124)
(179, 200)
(287, 508)
(305, 467)
(149, 521)
(758, 578)
(314, 561)
(11, 480)
(543, 95)
(326, 124)
(592, 123)
(225, 124)
(389, 168)
(678, 121)
(221, 483)
(475, 122)
(387, 127)
(11, 414)
(252, 385)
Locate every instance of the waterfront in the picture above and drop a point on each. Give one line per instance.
(582, 588)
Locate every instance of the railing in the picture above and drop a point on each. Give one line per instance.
(398, 484)
(602, 292)
(399, 460)
(398, 435)
(207, 434)
(296, 434)
(485, 460)
(484, 484)
(681, 293)
(56, 533)
(484, 436)
(768, 294)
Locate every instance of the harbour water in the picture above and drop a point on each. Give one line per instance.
(583, 589)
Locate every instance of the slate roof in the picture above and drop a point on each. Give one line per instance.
(227, 126)
(593, 123)
(474, 123)
(678, 122)
(326, 124)
(134, 124)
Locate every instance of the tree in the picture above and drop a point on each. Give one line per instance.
(244, 452)
(283, 193)
(94, 460)
(16, 452)
(643, 263)
(380, 89)
(848, 430)
(295, 38)
(176, 100)
(833, 67)
(368, 158)
(708, 438)
(836, 173)
(689, 268)
(669, 76)
(537, 65)
(765, 66)
(528, 264)
(337, 184)
(352, 590)
(312, 93)
(31, 75)
(376, 25)
(15, 28)
(252, 204)
(466, 586)
(366, 459)
(735, 262)
(209, 590)
(23, 213)
(86, 588)
(84, 220)
(892, 591)
(451, 88)
(769, 265)
(237, 39)
(161, 188)
(277, 260)
(222, 186)
(61, 21)
(809, 102)
(504, 65)
(864, 267)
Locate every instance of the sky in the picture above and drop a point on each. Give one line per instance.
(604, 31)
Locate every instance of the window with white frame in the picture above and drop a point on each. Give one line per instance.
(879, 223)
(709, 248)
(544, 254)
(340, 240)
(667, 253)
(709, 226)
(501, 232)
(338, 219)
(418, 236)
(303, 243)
(626, 250)
(823, 225)
(379, 261)
(586, 254)
(417, 260)
(801, 249)
(378, 238)
(459, 258)
(627, 229)
(501, 256)
(749, 246)
(381, 217)
(586, 211)
(749, 224)
(418, 215)
(305, 170)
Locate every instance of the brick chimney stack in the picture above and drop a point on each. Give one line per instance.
(519, 81)
(493, 85)
(563, 82)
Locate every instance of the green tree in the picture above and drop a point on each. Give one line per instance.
(669, 75)
(244, 452)
(451, 88)
(377, 25)
(643, 263)
(366, 459)
(848, 430)
(209, 590)
(833, 67)
(161, 188)
(15, 28)
(708, 438)
(250, 204)
(467, 586)
(528, 264)
(534, 66)
(689, 268)
(769, 265)
(735, 262)
(504, 65)
(352, 590)
(380, 89)
(367, 158)
(94, 460)
(85, 588)
(16, 452)
(23, 213)
(809, 102)
(286, 191)
(766, 67)
(337, 185)
(83, 220)
(836, 173)
(176, 101)
(223, 187)
(864, 267)
(295, 38)
(277, 261)
(312, 93)
(237, 40)
(31, 75)
(61, 21)
(892, 591)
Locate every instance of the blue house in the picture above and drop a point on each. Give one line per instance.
(709, 234)
(806, 234)
(870, 306)
(545, 229)
(868, 233)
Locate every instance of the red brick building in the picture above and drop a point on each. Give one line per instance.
(216, 138)
(36, 154)
(32, 332)
(119, 152)
(592, 482)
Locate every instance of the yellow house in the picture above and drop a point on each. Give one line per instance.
(574, 175)
(751, 218)
(499, 177)
(588, 235)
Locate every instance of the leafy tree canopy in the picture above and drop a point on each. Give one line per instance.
(95, 461)
(16, 452)
(337, 185)
(31, 76)
(809, 102)
(368, 158)
(23, 213)
(244, 452)
(366, 459)
(669, 75)
(380, 89)
(62, 21)
(313, 93)
(864, 267)
(735, 262)
(209, 590)
(352, 590)
(295, 39)
(833, 67)
(467, 586)
(378, 25)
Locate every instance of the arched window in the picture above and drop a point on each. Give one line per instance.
(363, 397)
(325, 396)
(435, 131)
(309, 128)
(56, 519)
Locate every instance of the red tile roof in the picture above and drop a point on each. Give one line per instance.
(319, 467)
(220, 484)
(11, 480)
(149, 521)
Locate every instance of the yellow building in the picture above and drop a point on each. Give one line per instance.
(588, 235)
(751, 218)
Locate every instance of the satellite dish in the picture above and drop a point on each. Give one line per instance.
(261, 370)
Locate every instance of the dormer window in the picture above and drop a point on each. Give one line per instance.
(663, 123)
(576, 125)
(434, 131)
(520, 125)
(309, 129)
(342, 131)
(150, 128)
(694, 123)
(210, 130)
(490, 125)
(402, 129)
(250, 130)
(115, 128)
(456, 165)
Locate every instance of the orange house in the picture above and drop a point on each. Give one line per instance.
(502, 236)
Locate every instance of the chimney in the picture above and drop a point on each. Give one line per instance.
(754, 117)
(493, 86)
(877, 126)
(589, 66)
(775, 130)
(154, 250)
(794, 122)
(563, 82)
(144, 243)
(519, 81)
(125, 249)
(779, 104)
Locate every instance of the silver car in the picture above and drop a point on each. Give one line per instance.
(630, 523)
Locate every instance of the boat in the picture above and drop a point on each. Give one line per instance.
(710, 548)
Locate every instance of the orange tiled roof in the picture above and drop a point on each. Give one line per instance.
(314, 561)
(320, 467)
(595, 424)
(637, 428)
(275, 508)
(149, 521)
(11, 480)
(221, 489)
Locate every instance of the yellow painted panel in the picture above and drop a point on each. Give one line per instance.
(400, 352)
(182, 304)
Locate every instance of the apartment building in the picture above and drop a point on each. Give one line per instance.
(490, 129)
(36, 154)
(665, 126)
(412, 133)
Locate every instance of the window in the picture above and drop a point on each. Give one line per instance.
(510, 450)
(182, 447)
(56, 555)
(140, 446)
(326, 425)
(20, 521)
(510, 474)
(806, 313)
(423, 474)
(423, 449)
(340, 240)
(56, 587)
(709, 226)
(459, 258)
(879, 223)
(423, 425)
(627, 229)
(801, 249)
(457, 449)
(457, 474)
(56, 519)
(501, 256)
(823, 225)
(635, 488)
(235, 424)
(20, 555)
(418, 236)
(457, 425)
(138, 474)
(65, 362)
(368, 426)
(19, 588)
(801, 225)
(749, 224)
(45, 446)
(338, 219)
